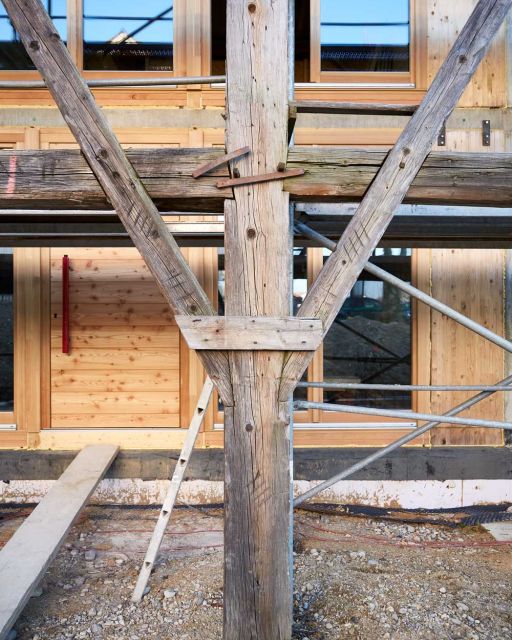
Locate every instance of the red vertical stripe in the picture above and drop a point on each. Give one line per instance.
(65, 304)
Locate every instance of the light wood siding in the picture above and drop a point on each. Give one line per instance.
(488, 88)
(123, 369)
(471, 281)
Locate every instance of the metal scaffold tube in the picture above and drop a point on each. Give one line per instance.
(406, 415)
(414, 292)
(408, 437)
(120, 82)
(356, 386)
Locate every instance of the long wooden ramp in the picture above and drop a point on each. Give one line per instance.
(29, 552)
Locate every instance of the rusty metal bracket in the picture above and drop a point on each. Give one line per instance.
(213, 164)
(441, 138)
(267, 177)
(486, 133)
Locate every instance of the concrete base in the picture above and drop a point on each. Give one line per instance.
(410, 494)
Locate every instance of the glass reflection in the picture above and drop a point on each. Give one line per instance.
(368, 35)
(370, 339)
(122, 35)
(13, 56)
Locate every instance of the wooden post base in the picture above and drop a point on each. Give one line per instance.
(257, 586)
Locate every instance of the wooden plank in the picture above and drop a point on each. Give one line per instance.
(472, 282)
(488, 87)
(61, 179)
(29, 552)
(172, 494)
(391, 184)
(116, 360)
(250, 334)
(112, 381)
(117, 402)
(106, 158)
(353, 108)
(116, 421)
(104, 292)
(123, 312)
(28, 374)
(124, 337)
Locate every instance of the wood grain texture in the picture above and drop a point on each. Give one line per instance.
(257, 589)
(106, 158)
(250, 334)
(123, 369)
(391, 184)
(472, 282)
(27, 555)
(61, 179)
(488, 87)
(28, 372)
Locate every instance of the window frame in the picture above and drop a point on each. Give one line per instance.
(415, 78)
(74, 31)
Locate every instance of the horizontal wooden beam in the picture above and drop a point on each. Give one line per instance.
(353, 108)
(61, 179)
(229, 333)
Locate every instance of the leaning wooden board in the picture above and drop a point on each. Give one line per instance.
(27, 555)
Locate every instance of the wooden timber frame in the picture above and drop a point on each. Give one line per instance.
(255, 385)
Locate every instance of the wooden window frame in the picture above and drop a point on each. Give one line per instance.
(416, 78)
(183, 46)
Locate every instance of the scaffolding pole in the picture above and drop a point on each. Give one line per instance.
(414, 292)
(120, 82)
(406, 415)
(408, 437)
(356, 386)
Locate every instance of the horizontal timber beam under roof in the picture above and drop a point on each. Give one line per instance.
(414, 226)
(61, 179)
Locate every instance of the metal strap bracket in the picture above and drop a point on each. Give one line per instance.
(267, 177)
(213, 164)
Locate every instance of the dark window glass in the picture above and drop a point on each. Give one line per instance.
(13, 56)
(6, 331)
(300, 289)
(367, 35)
(122, 35)
(370, 339)
(302, 31)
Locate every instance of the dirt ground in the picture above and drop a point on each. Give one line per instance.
(354, 578)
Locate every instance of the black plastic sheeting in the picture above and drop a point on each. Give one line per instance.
(458, 516)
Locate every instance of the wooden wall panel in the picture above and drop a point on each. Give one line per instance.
(121, 372)
(471, 281)
(488, 87)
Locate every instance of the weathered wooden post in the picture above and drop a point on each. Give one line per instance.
(257, 589)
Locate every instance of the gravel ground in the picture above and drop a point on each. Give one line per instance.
(354, 578)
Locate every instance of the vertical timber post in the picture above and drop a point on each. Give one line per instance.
(257, 587)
